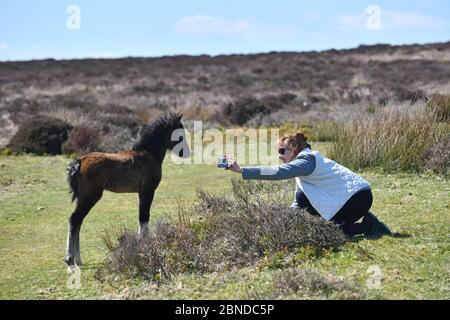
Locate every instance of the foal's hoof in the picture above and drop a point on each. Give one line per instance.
(70, 261)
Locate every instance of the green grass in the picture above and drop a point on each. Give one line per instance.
(35, 205)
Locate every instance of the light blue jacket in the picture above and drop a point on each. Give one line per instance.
(327, 184)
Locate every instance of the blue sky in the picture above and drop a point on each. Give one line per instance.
(38, 29)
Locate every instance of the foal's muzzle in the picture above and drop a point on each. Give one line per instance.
(185, 152)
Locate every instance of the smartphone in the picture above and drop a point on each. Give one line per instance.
(222, 162)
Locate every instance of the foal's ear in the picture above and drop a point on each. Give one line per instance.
(179, 116)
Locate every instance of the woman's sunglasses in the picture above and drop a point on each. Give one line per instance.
(282, 151)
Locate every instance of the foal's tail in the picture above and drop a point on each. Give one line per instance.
(72, 178)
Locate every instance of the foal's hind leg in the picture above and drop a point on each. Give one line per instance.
(84, 205)
(145, 202)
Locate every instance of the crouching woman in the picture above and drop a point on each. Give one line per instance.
(323, 187)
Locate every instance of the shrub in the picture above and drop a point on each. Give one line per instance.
(257, 221)
(227, 232)
(133, 124)
(276, 102)
(405, 94)
(71, 116)
(41, 135)
(169, 249)
(394, 138)
(102, 136)
(242, 110)
(114, 138)
(245, 109)
(82, 139)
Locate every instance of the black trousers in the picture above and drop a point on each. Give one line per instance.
(353, 210)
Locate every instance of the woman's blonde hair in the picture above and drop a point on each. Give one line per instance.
(297, 142)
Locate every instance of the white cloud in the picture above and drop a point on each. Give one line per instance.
(3, 45)
(394, 20)
(201, 25)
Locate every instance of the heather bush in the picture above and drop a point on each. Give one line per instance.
(115, 138)
(256, 112)
(71, 116)
(405, 94)
(130, 122)
(82, 139)
(257, 220)
(108, 133)
(40, 135)
(169, 249)
(242, 110)
(276, 102)
(221, 233)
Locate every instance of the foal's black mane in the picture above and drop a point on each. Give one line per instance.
(153, 136)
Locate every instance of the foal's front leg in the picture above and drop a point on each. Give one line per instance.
(145, 202)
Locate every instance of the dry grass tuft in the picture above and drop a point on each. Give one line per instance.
(396, 138)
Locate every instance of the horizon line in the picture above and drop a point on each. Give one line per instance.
(227, 54)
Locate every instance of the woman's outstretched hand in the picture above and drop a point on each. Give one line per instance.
(234, 166)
